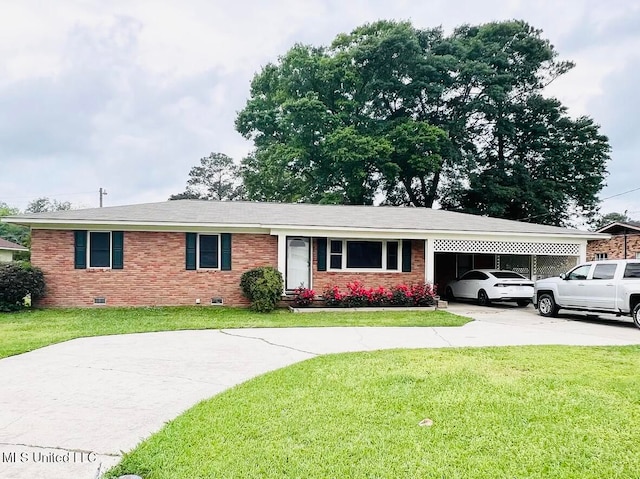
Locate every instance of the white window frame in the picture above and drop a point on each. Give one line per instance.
(637, 255)
(198, 252)
(383, 269)
(89, 233)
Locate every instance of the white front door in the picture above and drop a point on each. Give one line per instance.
(298, 261)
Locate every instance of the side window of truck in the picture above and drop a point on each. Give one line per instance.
(605, 271)
(579, 273)
(632, 270)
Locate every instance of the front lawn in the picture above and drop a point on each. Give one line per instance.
(32, 329)
(526, 412)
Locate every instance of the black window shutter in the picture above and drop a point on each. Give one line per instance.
(225, 246)
(192, 238)
(406, 256)
(321, 244)
(117, 250)
(80, 249)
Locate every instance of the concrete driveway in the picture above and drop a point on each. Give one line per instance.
(71, 409)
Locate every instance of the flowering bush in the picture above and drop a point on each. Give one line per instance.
(303, 297)
(333, 296)
(401, 295)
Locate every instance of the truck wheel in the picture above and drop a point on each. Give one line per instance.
(547, 306)
(483, 299)
(449, 294)
(636, 315)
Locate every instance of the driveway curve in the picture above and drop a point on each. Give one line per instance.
(71, 409)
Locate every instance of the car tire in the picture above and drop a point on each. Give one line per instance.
(523, 303)
(547, 306)
(635, 314)
(483, 299)
(449, 293)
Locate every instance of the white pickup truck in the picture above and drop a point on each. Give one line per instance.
(611, 286)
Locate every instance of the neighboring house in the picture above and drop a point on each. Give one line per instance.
(185, 251)
(7, 249)
(623, 243)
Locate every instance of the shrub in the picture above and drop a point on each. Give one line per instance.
(402, 295)
(423, 294)
(303, 297)
(332, 296)
(17, 281)
(263, 287)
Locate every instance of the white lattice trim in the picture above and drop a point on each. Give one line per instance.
(505, 247)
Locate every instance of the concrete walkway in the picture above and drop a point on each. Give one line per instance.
(71, 409)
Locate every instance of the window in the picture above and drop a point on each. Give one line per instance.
(474, 275)
(392, 255)
(605, 271)
(580, 272)
(208, 251)
(363, 254)
(99, 249)
(601, 256)
(507, 275)
(335, 261)
(637, 255)
(632, 270)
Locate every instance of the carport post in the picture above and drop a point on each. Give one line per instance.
(429, 261)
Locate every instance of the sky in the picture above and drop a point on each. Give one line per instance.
(129, 95)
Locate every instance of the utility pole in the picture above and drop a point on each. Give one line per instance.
(103, 192)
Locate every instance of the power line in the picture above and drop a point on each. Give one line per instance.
(603, 199)
(620, 194)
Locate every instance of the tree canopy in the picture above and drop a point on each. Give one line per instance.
(609, 218)
(216, 178)
(408, 116)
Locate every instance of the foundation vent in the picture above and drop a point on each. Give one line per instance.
(100, 300)
(217, 301)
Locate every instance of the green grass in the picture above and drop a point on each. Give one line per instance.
(526, 412)
(32, 329)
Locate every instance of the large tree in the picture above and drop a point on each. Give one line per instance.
(408, 116)
(216, 178)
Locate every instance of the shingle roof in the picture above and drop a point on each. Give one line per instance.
(236, 213)
(4, 244)
(618, 226)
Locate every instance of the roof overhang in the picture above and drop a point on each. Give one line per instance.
(293, 230)
(618, 224)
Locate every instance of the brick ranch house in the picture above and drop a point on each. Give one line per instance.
(623, 243)
(189, 251)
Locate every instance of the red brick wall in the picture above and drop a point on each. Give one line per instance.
(154, 271)
(614, 247)
(371, 279)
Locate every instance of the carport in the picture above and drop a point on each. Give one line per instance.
(534, 260)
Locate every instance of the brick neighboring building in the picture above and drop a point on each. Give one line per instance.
(194, 252)
(624, 242)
